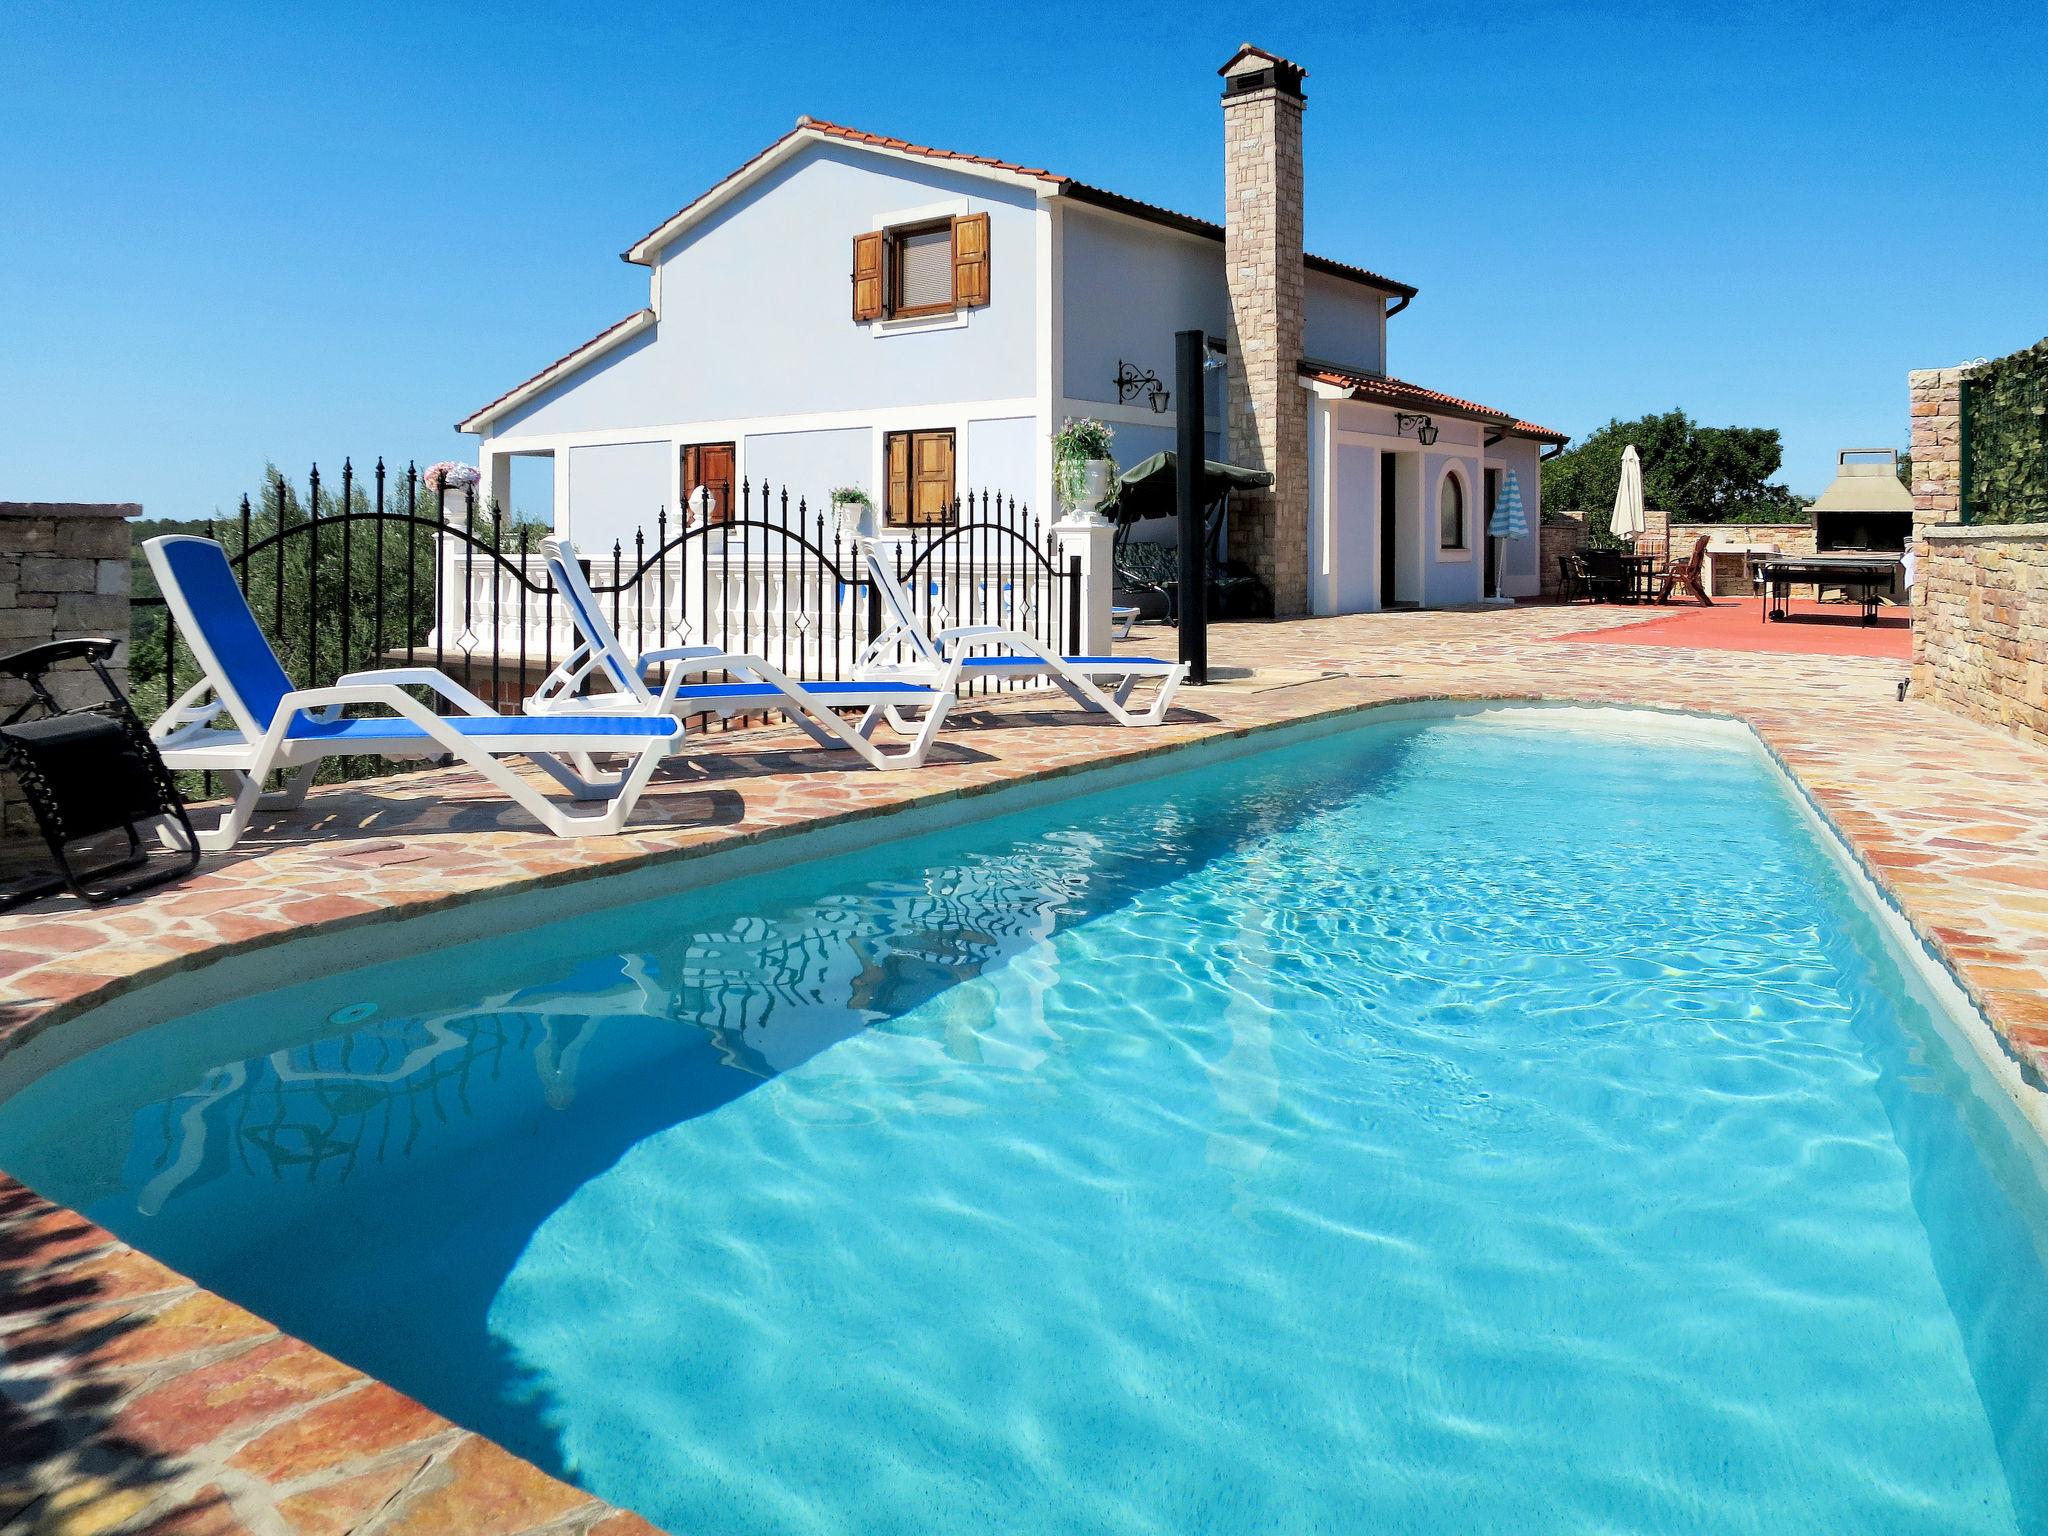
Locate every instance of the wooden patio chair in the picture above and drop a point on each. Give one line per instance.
(1571, 578)
(1686, 573)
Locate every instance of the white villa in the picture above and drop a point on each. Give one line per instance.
(852, 309)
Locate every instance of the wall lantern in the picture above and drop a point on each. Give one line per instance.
(1425, 429)
(1130, 384)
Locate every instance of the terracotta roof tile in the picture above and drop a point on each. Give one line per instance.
(1081, 191)
(1382, 389)
(882, 141)
(1260, 53)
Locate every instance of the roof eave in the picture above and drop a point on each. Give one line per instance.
(810, 130)
(558, 370)
(1207, 229)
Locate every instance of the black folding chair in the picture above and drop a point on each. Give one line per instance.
(86, 772)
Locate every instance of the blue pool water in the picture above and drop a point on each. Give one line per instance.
(1488, 1123)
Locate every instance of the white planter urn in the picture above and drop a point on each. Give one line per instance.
(455, 505)
(853, 520)
(1094, 491)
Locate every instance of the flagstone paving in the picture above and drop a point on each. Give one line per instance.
(132, 1400)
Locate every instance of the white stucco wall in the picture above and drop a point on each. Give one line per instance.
(810, 464)
(612, 490)
(1343, 322)
(1126, 288)
(1451, 576)
(999, 455)
(1347, 439)
(755, 307)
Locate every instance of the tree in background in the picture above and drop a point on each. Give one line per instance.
(374, 580)
(1697, 474)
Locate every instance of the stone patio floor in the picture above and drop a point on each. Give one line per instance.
(132, 1400)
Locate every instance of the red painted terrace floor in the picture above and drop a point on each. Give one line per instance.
(1736, 624)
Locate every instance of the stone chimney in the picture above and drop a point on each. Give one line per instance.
(1266, 412)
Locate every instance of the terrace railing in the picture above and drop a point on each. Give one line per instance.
(360, 574)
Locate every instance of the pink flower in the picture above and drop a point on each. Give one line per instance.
(451, 474)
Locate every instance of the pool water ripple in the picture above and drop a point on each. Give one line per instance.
(1478, 1123)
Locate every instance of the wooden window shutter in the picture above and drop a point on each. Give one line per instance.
(897, 505)
(867, 276)
(970, 260)
(932, 500)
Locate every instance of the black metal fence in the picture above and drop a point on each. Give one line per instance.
(365, 572)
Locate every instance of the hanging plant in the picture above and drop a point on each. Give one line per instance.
(1074, 446)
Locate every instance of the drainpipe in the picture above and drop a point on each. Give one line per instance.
(1400, 304)
(1550, 453)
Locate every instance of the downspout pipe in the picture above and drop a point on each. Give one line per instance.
(1399, 304)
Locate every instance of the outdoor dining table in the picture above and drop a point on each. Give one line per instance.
(1639, 575)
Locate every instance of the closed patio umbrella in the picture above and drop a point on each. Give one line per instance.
(1509, 521)
(1627, 522)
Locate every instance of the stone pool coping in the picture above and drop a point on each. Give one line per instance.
(139, 1401)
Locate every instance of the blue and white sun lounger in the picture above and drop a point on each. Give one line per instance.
(686, 687)
(1103, 684)
(272, 726)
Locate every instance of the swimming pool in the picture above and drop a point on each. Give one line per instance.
(1509, 1121)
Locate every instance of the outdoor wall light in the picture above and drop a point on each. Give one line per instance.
(1130, 384)
(1425, 429)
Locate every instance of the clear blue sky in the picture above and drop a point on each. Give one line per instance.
(229, 233)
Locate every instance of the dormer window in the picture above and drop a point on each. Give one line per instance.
(935, 267)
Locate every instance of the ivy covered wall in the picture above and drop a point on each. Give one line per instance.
(2005, 438)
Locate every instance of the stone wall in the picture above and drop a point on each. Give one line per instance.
(1980, 635)
(1935, 401)
(1731, 577)
(1561, 534)
(64, 575)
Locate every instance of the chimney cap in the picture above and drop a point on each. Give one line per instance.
(1252, 68)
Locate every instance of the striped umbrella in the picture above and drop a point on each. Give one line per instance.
(1508, 521)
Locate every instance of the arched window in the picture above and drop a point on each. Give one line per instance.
(1450, 513)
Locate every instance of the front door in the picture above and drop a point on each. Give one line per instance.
(710, 466)
(1390, 522)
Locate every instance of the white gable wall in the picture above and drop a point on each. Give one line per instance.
(756, 302)
(1126, 288)
(756, 345)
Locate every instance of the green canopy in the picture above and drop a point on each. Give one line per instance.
(1147, 488)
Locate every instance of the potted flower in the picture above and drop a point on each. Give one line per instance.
(853, 512)
(454, 484)
(1082, 463)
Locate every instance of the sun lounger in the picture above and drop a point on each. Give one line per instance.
(272, 726)
(690, 683)
(1101, 684)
